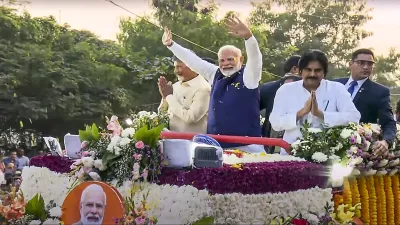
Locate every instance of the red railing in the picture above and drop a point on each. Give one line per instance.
(231, 139)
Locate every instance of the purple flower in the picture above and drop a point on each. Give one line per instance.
(54, 163)
(254, 178)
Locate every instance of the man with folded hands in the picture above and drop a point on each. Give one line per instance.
(312, 99)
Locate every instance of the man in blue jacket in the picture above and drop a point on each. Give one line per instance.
(371, 99)
(235, 100)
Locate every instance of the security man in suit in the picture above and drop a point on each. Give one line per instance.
(371, 99)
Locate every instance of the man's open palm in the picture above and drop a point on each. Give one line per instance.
(238, 28)
(167, 37)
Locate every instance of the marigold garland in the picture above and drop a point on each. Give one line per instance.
(355, 194)
(337, 200)
(364, 197)
(372, 201)
(347, 192)
(396, 195)
(389, 200)
(380, 199)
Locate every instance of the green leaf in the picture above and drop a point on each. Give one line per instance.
(84, 135)
(95, 132)
(149, 137)
(108, 157)
(36, 208)
(205, 221)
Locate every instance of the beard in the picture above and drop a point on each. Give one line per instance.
(85, 219)
(230, 71)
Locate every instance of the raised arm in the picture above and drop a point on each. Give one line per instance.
(195, 63)
(346, 110)
(253, 70)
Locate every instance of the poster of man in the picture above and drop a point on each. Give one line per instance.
(92, 203)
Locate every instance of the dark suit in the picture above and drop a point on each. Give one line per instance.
(267, 96)
(373, 102)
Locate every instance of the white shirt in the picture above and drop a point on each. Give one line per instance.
(332, 98)
(252, 71)
(356, 88)
(188, 106)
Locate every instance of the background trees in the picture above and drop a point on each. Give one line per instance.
(54, 79)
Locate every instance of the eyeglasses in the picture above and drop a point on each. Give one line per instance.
(364, 63)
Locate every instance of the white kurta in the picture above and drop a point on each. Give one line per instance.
(332, 97)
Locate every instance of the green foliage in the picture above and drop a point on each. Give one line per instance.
(205, 221)
(36, 208)
(91, 133)
(149, 137)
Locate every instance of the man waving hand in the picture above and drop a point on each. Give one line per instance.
(234, 103)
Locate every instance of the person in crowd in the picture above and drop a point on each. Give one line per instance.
(21, 158)
(268, 90)
(12, 158)
(371, 99)
(2, 168)
(235, 102)
(186, 100)
(40, 153)
(312, 99)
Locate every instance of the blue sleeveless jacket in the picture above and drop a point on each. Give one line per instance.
(234, 109)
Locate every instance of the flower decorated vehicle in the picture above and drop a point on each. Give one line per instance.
(248, 189)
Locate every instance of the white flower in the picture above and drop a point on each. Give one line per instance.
(153, 115)
(98, 163)
(87, 162)
(128, 132)
(55, 212)
(346, 133)
(314, 130)
(143, 113)
(354, 149)
(51, 222)
(358, 138)
(383, 163)
(94, 176)
(319, 157)
(35, 222)
(334, 158)
(296, 144)
(376, 128)
(124, 141)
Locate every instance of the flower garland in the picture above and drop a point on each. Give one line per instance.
(364, 200)
(237, 157)
(389, 199)
(396, 197)
(373, 219)
(380, 199)
(54, 163)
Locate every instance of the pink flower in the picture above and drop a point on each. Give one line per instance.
(139, 145)
(137, 156)
(114, 126)
(85, 153)
(139, 220)
(150, 222)
(145, 174)
(83, 144)
(87, 170)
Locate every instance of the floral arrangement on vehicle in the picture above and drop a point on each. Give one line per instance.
(149, 119)
(121, 154)
(350, 145)
(329, 145)
(371, 163)
(14, 210)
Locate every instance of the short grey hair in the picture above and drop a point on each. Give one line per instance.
(91, 188)
(230, 48)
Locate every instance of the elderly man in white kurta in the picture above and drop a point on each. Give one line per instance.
(311, 99)
(186, 101)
